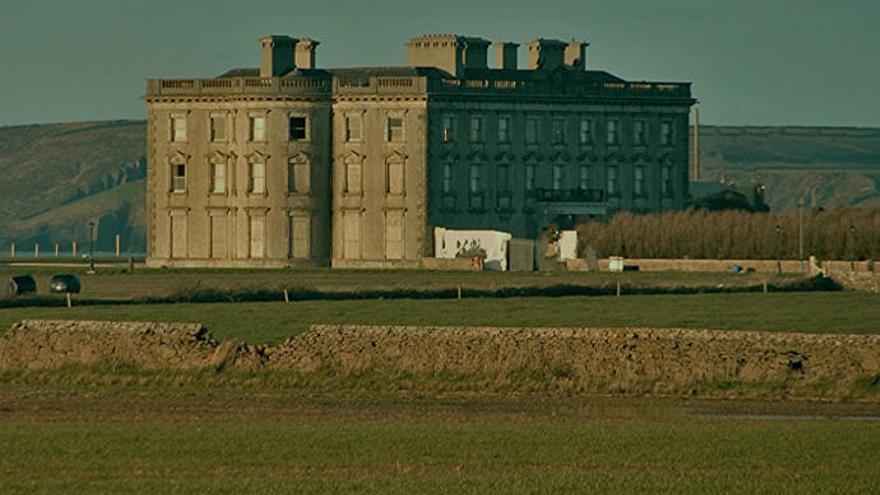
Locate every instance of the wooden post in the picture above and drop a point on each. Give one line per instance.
(459, 292)
(765, 287)
(618, 288)
(69, 300)
(12, 250)
(130, 264)
(57, 249)
(75, 249)
(36, 250)
(286, 296)
(118, 245)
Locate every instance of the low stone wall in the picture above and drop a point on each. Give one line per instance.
(635, 360)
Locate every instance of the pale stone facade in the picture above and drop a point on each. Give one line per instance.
(290, 165)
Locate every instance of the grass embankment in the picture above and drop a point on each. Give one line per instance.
(814, 312)
(117, 439)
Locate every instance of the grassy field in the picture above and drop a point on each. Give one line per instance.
(816, 312)
(115, 283)
(120, 439)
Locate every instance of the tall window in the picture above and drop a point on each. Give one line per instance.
(257, 233)
(218, 178)
(666, 180)
(613, 136)
(666, 133)
(639, 181)
(503, 178)
(178, 178)
(558, 131)
(178, 128)
(476, 129)
(352, 182)
(298, 175)
(353, 127)
(257, 178)
(395, 129)
(218, 128)
(585, 135)
(584, 177)
(257, 128)
(558, 172)
(298, 229)
(448, 129)
(394, 177)
(503, 129)
(639, 133)
(530, 177)
(447, 178)
(531, 130)
(475, 182)
(612, 181)
(298, 129)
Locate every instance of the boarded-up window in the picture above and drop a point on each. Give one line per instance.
(351, 221)
(178, 235)
(218, 236)
(394, 177)
(298, 236)
(394, 234)
(258, 236)
(353, 176)
(298, 175)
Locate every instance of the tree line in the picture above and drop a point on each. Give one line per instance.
(840, 234)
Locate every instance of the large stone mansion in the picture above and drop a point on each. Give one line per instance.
(289, 165)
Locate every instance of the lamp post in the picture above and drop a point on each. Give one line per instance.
(779, 249)
(92, 247)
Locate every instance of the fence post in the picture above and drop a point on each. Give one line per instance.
(75, 249)
(118, 245)
(57, 249)
(36, 250)
(12, 250)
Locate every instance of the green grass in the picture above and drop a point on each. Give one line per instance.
(814, 312)
(221, 442)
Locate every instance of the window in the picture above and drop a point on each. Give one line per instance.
(257, 178)
(504, 178)
(666, 133)
(178, 178)
(666, 180)
(503, 129)
(218, 178)
(531, 130)
(475, 184)
(584, 177)
(476, 129)
(639, 133)
(639, 181)
(394, 177)
(218, 128)
(558, 172)
(613, 137)
(257, 128)
(395, 129)
(299, 226)
(612, 181)
(257, 236)
(447, 178)
(558, 131)
(178, 128)
(298, 129)
(448, 129)
(353, 128)
(298, 175)
(530, 177)
(352, 177)
(585, 135)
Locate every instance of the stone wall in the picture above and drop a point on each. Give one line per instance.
(634, 360)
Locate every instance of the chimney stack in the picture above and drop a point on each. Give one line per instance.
(546, 54)
(277, 55)
(506, 55)
(305, 53)
(576, 55)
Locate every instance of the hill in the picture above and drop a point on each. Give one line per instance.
(58, 177)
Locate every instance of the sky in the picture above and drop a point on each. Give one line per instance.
(751, 62)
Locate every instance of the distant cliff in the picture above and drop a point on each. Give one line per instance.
(58, 177)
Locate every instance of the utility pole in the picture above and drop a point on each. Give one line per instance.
(91, 247)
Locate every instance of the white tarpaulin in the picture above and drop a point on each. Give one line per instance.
(568, 244)
(467, 243)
